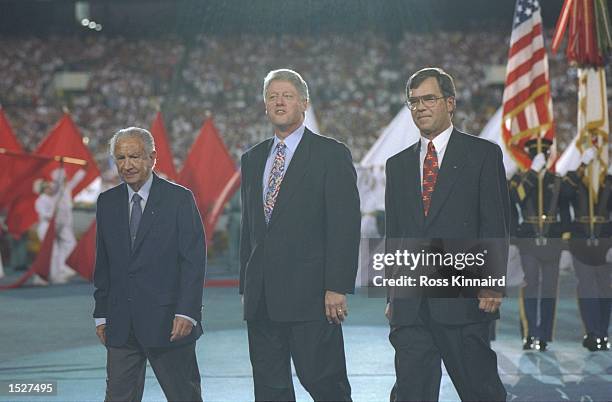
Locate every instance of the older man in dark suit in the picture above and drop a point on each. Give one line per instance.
(298, 251)
(149, 276)
(447, 189)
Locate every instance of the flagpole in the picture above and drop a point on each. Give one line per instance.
(591, 202)
(540, 174)
(589, 46)
(61, 159)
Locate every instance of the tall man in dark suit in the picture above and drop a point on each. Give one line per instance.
(298, 249)
(448, 186)
(149, 276)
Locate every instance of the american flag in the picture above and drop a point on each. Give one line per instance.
(527, 106)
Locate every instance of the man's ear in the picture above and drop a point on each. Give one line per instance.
(450, 103)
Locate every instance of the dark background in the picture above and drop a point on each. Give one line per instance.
(189, 17)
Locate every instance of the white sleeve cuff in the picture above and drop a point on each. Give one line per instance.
(100, 321)
(194, 322)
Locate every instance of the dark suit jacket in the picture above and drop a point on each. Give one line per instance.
(312, 241)
(162, 276)
(470, 201)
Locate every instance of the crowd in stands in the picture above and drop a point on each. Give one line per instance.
(356, 83)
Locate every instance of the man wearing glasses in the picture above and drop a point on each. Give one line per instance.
(450, 186)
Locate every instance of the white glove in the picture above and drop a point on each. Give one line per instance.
(58, 175)
(609, 255)
(538, 162)
(610, 169)
(515, 276)
(587, 156)
(566, 263)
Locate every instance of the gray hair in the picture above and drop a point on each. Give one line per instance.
(144, 135)
(284, 74)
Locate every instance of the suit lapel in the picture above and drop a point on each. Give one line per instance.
(452, 164)
(150, 212)
(413, 186)
(257, 189)
(293, 176)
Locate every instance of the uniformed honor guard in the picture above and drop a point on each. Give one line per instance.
(590, 242)
(536, 191)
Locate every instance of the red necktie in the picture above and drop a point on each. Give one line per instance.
(430, 174)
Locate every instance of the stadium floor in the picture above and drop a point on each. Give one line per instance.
(47, 334)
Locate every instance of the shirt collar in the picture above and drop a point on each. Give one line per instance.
(292, 140)
(144, 190)
(440, 140)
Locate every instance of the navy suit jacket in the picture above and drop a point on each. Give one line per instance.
(144, 286)
(312, 241)
(469, 205)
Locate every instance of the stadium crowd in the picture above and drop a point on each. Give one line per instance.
(356, 83)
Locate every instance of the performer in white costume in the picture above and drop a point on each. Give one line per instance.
(57, 195)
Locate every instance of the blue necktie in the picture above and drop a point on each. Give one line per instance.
(135, 217)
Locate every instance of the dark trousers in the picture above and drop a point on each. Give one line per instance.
(594, 296)
(317, 350)
(176, 370)
(420, 348)
(539, 296)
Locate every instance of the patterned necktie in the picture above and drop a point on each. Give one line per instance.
(274, 182)
(430, 174)
(135, 216)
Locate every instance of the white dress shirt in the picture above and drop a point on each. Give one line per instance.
(440, 142)
(291, 141)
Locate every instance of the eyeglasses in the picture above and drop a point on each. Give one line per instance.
(427, 100)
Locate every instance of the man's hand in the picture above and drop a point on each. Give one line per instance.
(101, 332)
(336, 308)
(490, 300)
(181, 327)
(388, 311)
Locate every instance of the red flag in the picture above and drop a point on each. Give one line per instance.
(42, 264)
(83, 257)
(8, 140)
(165, 161)
(589, 41)
(527, 104)
(17, 173)
(65, 140)
(210, 173)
